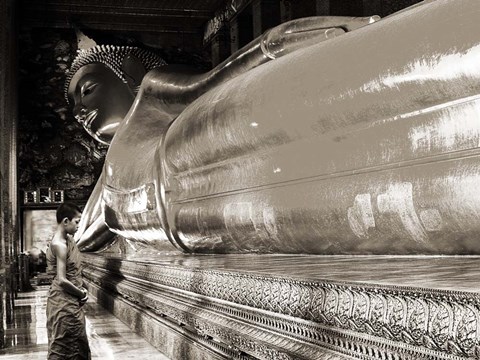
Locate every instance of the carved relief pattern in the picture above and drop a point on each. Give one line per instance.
(428, 320)
(185, 312)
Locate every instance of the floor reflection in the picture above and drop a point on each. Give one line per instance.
(28, 313)
(25, 331)
(26, 335)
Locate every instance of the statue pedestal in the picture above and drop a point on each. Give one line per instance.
(295, 306)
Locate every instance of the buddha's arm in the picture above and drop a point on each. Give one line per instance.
(96, 236)
(93, 234)
(175, 89)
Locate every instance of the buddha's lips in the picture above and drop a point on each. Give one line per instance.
(86, 120)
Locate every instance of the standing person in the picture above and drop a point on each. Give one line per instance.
(67, 337)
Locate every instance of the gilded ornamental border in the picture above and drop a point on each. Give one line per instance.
(420, 320)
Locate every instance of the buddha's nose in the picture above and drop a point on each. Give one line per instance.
(79, 111)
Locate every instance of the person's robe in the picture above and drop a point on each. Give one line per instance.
(67, 337)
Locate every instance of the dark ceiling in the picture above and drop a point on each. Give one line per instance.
(171, 22)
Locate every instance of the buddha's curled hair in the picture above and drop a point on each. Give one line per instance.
(112, 56)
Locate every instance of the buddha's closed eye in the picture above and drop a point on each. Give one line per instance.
(87, 90)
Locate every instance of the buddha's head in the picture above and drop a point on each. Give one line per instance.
(102, 83)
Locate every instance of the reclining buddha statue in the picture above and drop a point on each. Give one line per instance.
(365, 143)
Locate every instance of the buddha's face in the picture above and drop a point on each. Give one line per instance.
(100, 100)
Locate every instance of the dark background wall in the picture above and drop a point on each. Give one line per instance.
(54, 151)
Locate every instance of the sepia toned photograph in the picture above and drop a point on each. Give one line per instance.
(240, 179)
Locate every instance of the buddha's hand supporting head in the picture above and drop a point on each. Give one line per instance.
(101, 85)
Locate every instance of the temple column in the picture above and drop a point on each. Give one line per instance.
(322, 7)
(266, 14)
(220, 46)
(346, 7)
(234, 35)
(8, 163)
(286, 10)
(241, 29)
(290, 9)
(372, 7)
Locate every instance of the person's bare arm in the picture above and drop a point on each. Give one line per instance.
(60, 250)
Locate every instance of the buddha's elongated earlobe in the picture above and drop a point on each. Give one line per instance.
(133, 70)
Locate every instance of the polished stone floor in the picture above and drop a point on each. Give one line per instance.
(110, 339)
